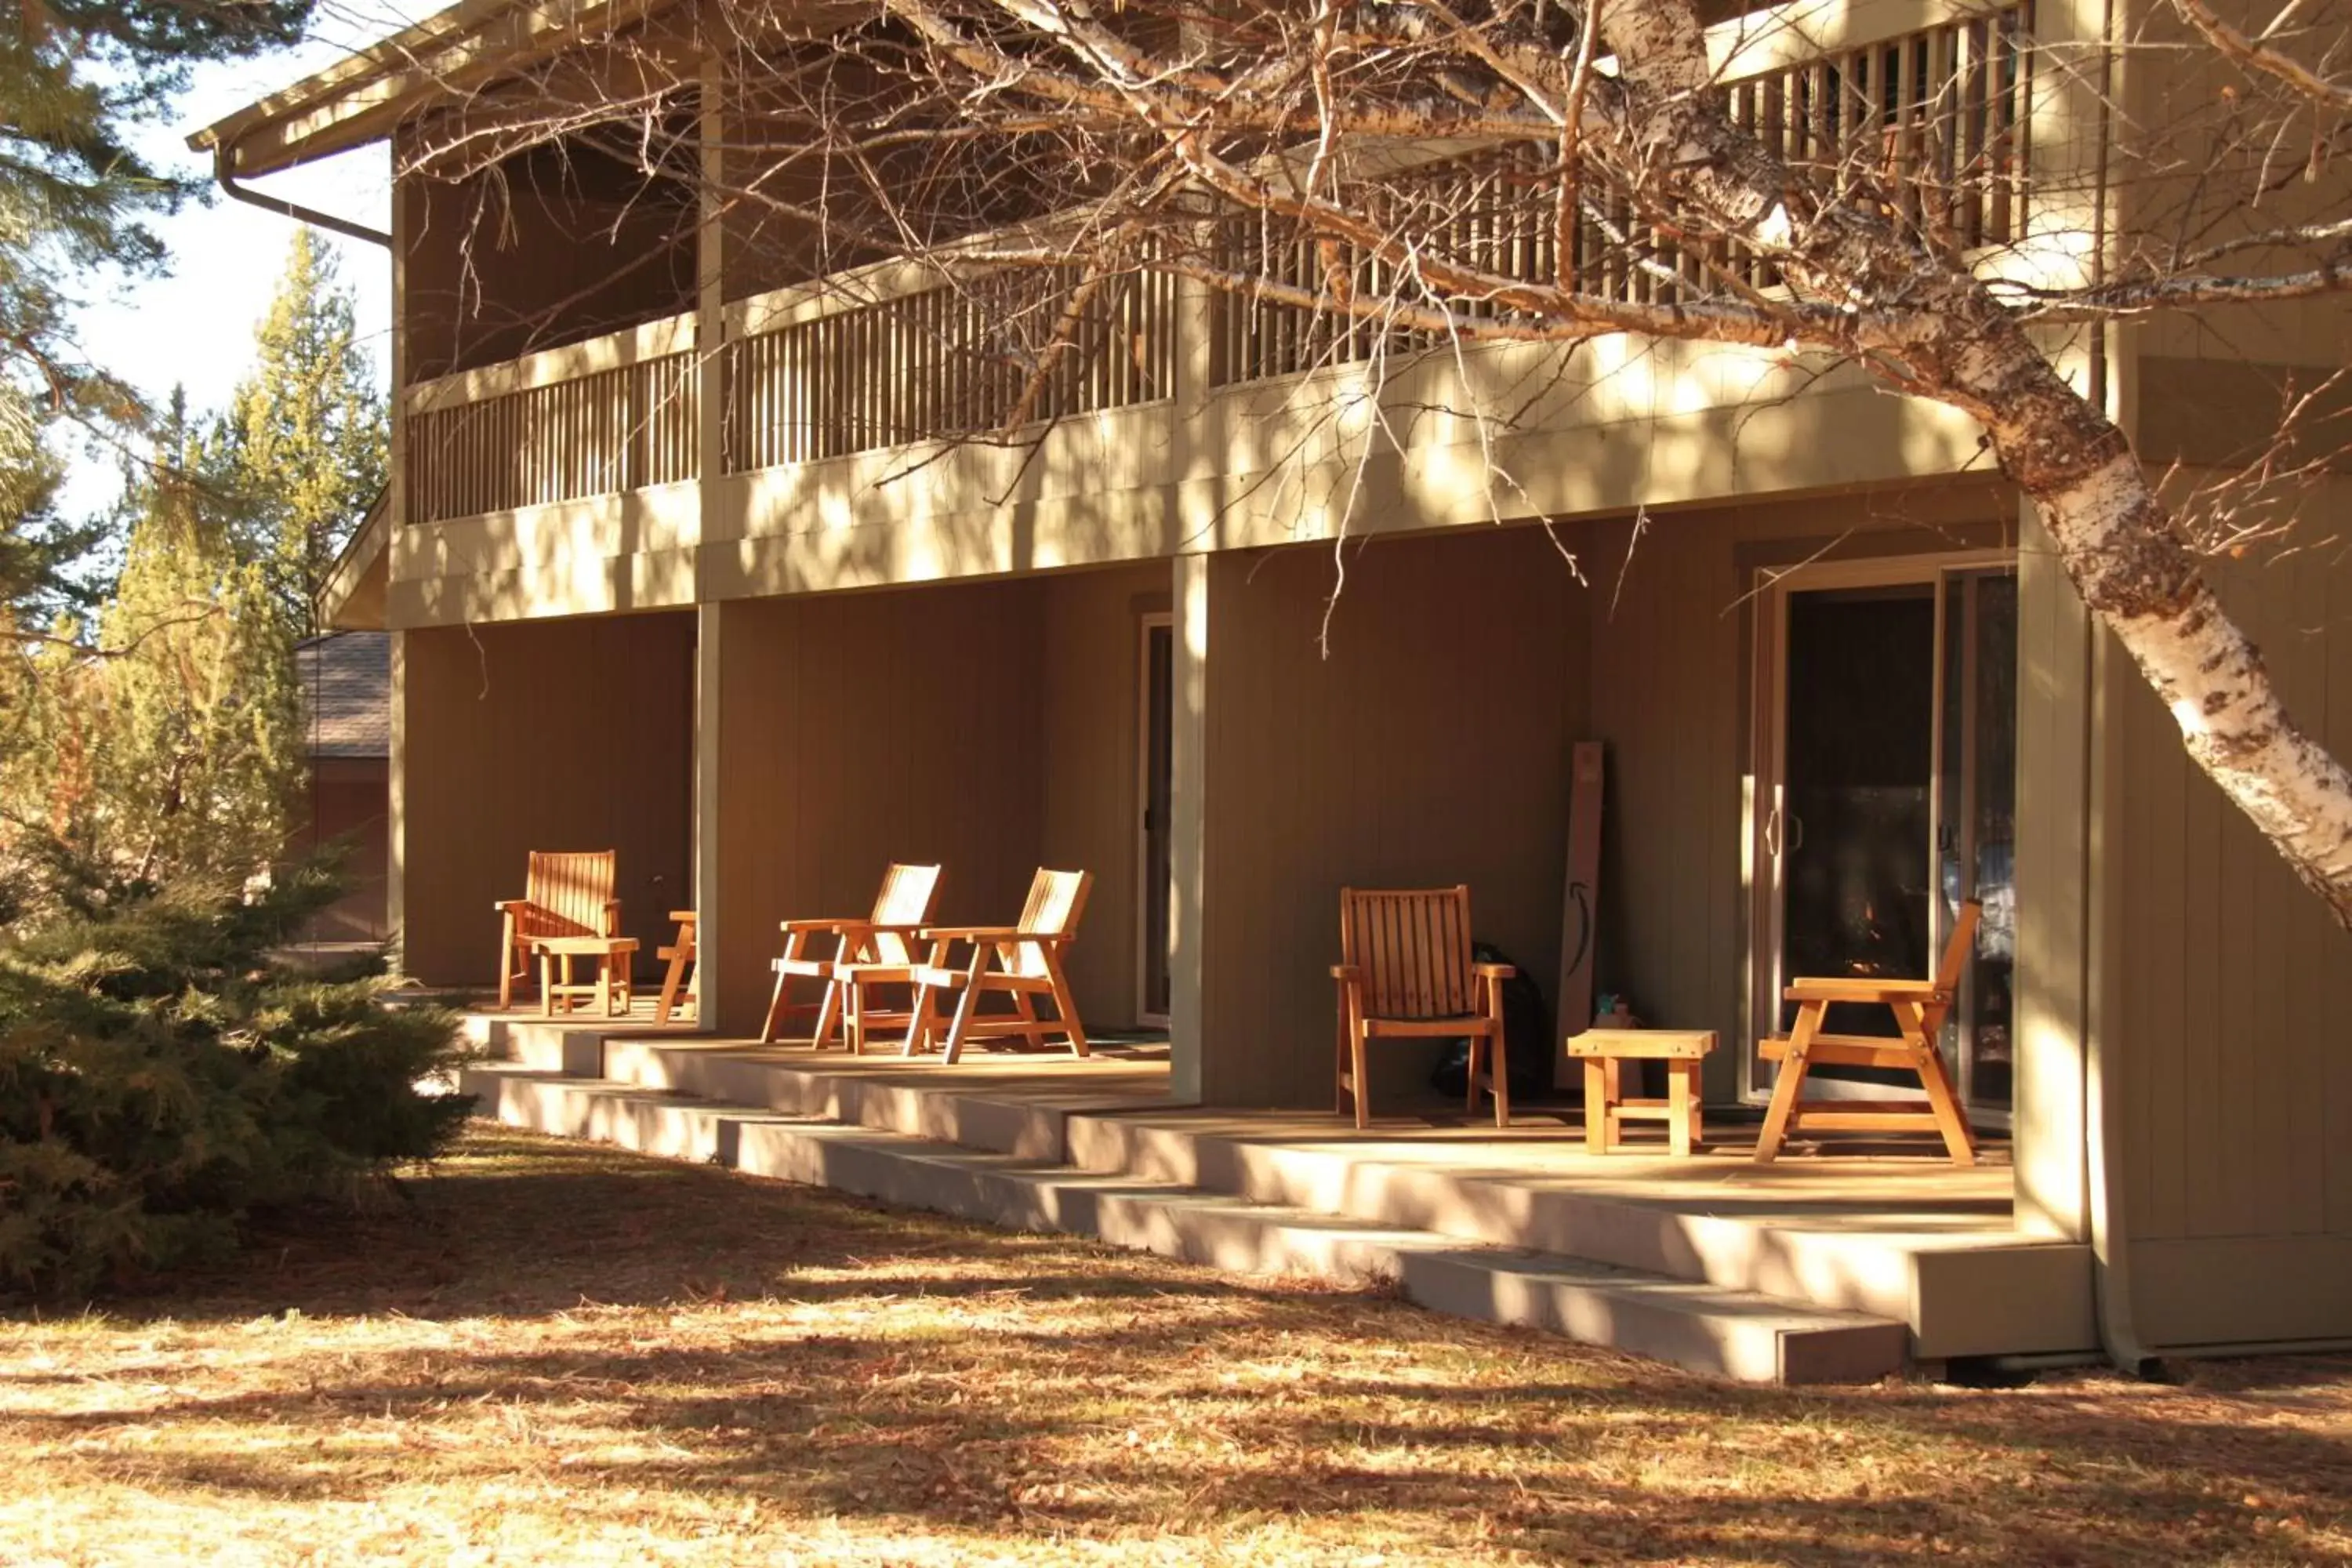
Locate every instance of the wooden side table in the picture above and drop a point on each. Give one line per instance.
(611, 990)
(1606, 1109)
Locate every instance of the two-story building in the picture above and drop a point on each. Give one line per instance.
(663, 573)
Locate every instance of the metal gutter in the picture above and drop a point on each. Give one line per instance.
(225, 161)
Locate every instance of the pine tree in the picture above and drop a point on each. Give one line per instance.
(304, 444)
(75, 201)
(173, 753)
(196, 760)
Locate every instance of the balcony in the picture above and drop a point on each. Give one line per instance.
(907, 421)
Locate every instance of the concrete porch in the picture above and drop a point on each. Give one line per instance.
(1822, 1266)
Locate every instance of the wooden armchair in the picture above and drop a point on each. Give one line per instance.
(1405, 971)
(1919, 1007)
(885, 937)
(1022, 960)
(565, 895)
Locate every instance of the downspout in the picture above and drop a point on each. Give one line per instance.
(2110, 1241)
(224, 172)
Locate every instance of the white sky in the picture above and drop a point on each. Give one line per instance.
(194, 327)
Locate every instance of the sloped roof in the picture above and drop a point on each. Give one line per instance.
(347, 687)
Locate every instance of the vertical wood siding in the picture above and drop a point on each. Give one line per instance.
(1430, 747)
(573, 734)
(988, 727)
(2228, 1000)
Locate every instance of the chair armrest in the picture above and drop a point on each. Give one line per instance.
(979, 933)
(1860, 990)
(683, 917)
(612, 918)
(1495, 971)
(817, 927)
(514, 906)
(1348, 973)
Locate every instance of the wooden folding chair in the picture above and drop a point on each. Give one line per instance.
(1919, 1007)
(1406, 971)
(885, 937)
(1022, 960)
(565, 894)
(681, 992)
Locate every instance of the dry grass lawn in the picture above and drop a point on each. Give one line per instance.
(569, 1355)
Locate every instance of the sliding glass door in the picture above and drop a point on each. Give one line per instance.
(1884, 793)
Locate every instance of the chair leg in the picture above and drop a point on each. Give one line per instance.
(507, 959)
(1952, 1121)
(1356, 1054)
(673, 980)
(829, 1011)
(1477, 1045)
(1498, 1072)
(1790, 1085)
(967, 1006)
(1065, 1004)
(923, 1021)
(775, 1017)
(1340, 1055)
(853, 1004)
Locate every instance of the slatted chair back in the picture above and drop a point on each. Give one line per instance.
(573, 886)
(906, 899)
(1956, 950)
(1056, 900)
(1413, 948)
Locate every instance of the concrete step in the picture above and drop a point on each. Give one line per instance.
(1730, 1333)
(1961, 1292)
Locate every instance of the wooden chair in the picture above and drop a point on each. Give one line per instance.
(680, 992)
(1919, 1007)
(565, 895)
(885, 937)
(1405, 971)
(1022, 960)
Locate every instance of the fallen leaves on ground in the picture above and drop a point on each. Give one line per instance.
(554, 1353)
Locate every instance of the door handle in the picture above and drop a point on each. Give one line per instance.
(1772, 833)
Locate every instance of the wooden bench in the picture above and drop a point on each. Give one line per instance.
(564, 894)
(1405, 971)
(1606, 1109)
(612, 990)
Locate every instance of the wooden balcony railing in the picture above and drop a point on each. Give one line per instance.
(1931, 124)
(959, 359)
(562, 426)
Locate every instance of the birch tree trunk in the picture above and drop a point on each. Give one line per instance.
(1959, 345)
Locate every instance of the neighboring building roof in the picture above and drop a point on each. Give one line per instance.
(347, 685)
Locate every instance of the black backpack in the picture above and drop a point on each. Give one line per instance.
(1527, 1027)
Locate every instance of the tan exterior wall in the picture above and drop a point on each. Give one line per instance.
(988, 727)
(1671, 669)
(2225, 993)
(561, 736)
(1429, 747)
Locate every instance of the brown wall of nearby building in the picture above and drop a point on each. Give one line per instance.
(1429, 747)
(348, 802)
(989, 727)
(556, 735)
(2225, 993)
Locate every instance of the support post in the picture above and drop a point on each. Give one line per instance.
(1187, 837)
